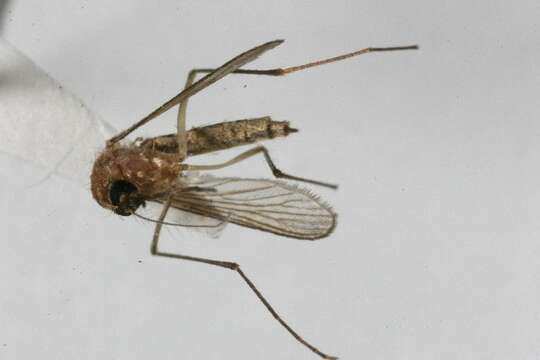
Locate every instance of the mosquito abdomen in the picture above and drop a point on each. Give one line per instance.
(223, 135)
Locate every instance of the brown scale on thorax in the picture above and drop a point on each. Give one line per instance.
(152, 172)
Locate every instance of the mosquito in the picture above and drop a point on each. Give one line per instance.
(128, 175)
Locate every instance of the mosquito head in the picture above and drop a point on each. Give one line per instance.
(125, 176)
(125, 197)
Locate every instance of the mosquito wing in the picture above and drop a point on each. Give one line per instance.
(266, 205)
(203, 225)
(43, 123)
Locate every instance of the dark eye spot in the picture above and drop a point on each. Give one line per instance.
(120, 188)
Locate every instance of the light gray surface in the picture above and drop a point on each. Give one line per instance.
(436, 255)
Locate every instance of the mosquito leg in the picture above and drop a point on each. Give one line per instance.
(223, 70)
(233, 66)
(291, 69)
(181, 136)
(231, 266)
(249, 153)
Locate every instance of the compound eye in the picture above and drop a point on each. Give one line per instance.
(119, 189)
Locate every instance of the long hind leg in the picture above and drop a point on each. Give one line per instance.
(181, 120)
(231, 266)
(249, 153)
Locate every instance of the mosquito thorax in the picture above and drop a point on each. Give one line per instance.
(125, 176)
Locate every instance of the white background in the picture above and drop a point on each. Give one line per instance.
(437, 250)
